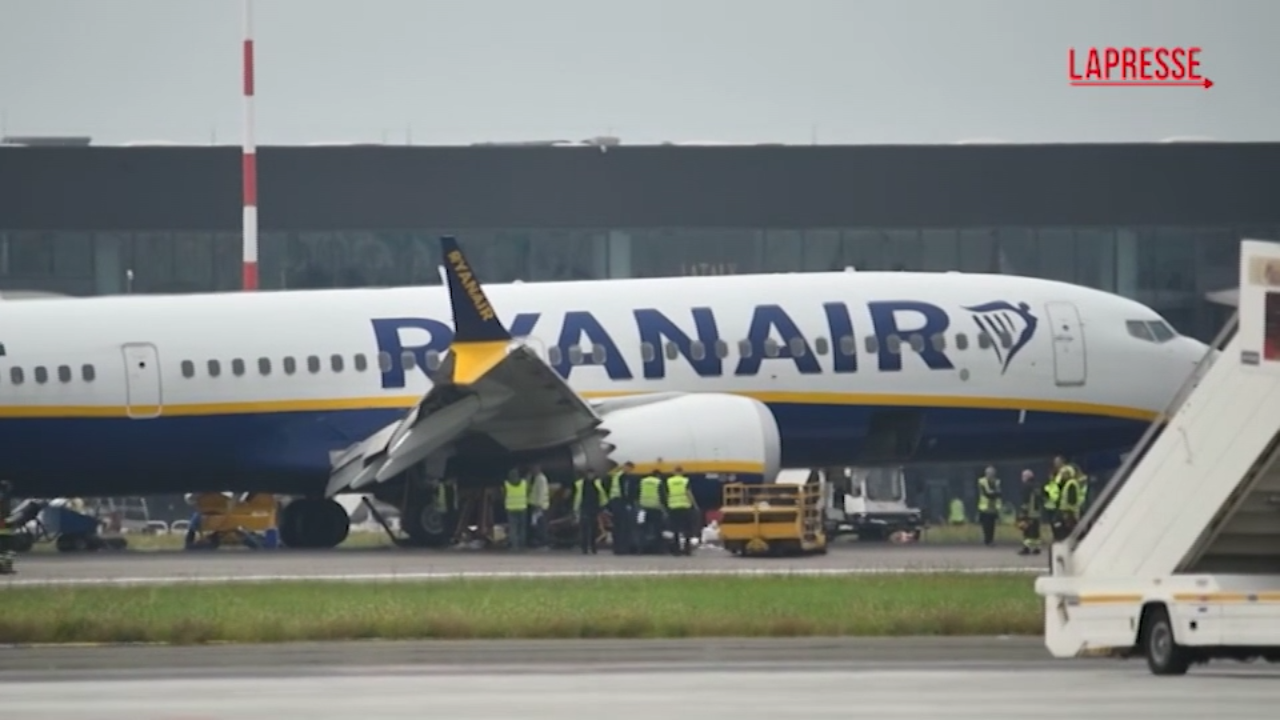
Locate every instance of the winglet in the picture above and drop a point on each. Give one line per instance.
(479, 338)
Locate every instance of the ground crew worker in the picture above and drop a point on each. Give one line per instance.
(446, 503)
(1029, 514)
(7, 540)
(515, 500)
(622, 512)
(587, 501)
(539, 504)
(989, 505)
(1053, 496)
(1071, 501)
(680, 506)
(650, 503)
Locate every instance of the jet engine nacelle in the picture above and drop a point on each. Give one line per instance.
(704, 433)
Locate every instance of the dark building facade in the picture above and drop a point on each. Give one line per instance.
(1159, 223)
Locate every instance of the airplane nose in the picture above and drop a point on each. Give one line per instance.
(1195, 351)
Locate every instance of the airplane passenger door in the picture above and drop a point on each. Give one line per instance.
(142, 380)
(1069, 368)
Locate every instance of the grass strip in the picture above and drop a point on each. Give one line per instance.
(685, 606)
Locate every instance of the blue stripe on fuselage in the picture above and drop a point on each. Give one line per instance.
(288, 452)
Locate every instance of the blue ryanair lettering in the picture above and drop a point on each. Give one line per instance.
(580, 328)
(764, 321)
(653, 326)
(387, 332)
(579, 323)
(522, 325)
(884, 318)
(841, 327)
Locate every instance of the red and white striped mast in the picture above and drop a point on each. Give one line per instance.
(249, 163)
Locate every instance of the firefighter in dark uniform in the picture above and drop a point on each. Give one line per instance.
(588, 498)
(7, 540)
(1029, 514)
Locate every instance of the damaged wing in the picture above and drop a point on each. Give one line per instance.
(488, 383)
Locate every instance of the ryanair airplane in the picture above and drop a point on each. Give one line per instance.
(386, 391)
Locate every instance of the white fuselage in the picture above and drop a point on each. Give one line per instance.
(254, 390)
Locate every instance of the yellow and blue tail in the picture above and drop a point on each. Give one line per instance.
(480, 340)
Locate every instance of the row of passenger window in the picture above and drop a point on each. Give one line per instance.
(576, 356)
(596, 355)
(288, 365)
(40, 374)
(848, 345)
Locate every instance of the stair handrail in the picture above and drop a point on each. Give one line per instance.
(1135, 456)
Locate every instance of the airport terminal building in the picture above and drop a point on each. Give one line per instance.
(1156, 222)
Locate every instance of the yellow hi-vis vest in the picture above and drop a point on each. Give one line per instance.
(651, 493)
(678, 493)
(577, 492)
(615, 485)
(986, 504)
(516, 495)
(1072, 497)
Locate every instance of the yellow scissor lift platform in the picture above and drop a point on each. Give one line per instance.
(772, 519)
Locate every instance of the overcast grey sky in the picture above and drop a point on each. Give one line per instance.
(456, 71)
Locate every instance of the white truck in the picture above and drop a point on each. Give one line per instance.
(1179, 559)
(867, 502)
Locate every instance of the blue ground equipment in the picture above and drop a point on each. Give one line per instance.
(74, 531)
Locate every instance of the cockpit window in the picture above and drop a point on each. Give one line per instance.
(1154, 331)
(1161, 331)
(1140, 330)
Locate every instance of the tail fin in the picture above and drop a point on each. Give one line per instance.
(479, 338)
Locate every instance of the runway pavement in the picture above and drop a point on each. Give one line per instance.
(413, 564)
(642, 680)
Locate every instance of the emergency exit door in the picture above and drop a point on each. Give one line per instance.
(1069, 366)
(142, 380)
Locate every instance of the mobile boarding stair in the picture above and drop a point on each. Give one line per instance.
(1179, 559)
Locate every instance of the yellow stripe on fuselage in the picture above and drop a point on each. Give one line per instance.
(382, 402)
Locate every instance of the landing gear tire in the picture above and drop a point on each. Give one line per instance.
(71, 543)
(1164, 655)
(426, 526)
(872, 534)
(312, 523)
